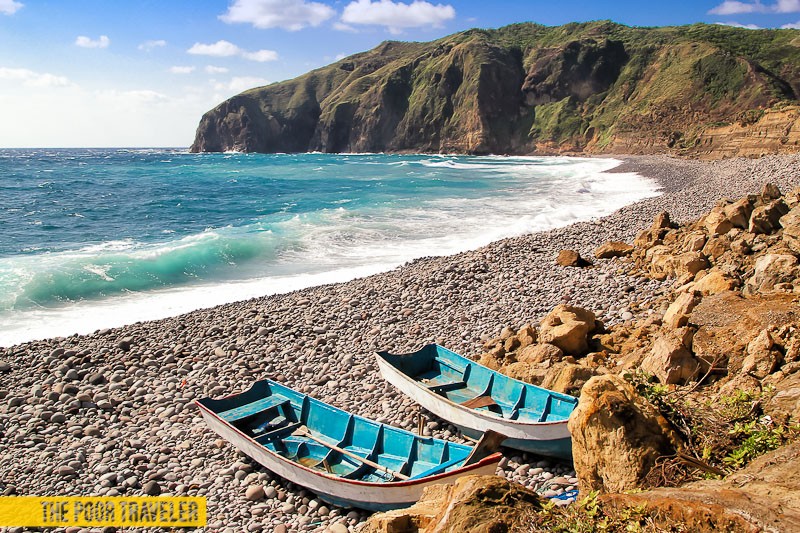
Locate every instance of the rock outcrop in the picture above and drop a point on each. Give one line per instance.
(616, 436)
(483, 504)
(592, 87)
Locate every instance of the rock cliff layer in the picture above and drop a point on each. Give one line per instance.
(596, 87)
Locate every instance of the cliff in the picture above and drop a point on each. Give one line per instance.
(596, 87)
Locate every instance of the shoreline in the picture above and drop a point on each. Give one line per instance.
(128, 392)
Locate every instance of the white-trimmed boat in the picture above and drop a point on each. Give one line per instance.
(476, 399)
(347, 460)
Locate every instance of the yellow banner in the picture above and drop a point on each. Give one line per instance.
(120, 511)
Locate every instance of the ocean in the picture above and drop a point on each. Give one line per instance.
(97, 238)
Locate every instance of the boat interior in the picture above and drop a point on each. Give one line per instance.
(474, 386)
(307, 431)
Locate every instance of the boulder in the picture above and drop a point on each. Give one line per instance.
(739, 212)
(770, 192)
(766, 218)
(737, 384)
(527, 372)
(666, 265)
(770, 270)
(483, 504)
(717, 222)
(538, 353)
(694, 241)
(526, 336)
(715, 282)
(790, 223)
(571, 258)
(671, 360)
(677, 314)
(784, 406)
(762, 357)
(568, 378)
(613, 249)
(716, 246)
(616, 436)
(568, 327)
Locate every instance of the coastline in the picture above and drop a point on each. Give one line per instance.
(318, 340)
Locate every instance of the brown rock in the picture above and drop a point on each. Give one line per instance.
(540, 352)
(571, 258)
(671, 359)
(613, 249)
(716, 222)
(568, 378)
(762, 357)
(662, 221)
(526, 336)
(715, 282)
(770, 270)
(766, 218)
(677, 314)
(616, 436)
(790, 223)
(739, 383)
(666, 265)
(739, 212)
(716, 246)
(527, 372)
(483, 504)
(694, 241)
(568, 327)
(784, 406)
(770, 192)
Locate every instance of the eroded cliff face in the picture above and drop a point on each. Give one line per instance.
(596, 87)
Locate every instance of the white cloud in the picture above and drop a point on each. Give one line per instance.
(211, 69)
(341, 26)
(397, 15)
(86, 42)
(218, 49)
(228, 49)
(291, 15)
(261, 56)
(792, 26)
(30, 78)
(140, 96)
(339, 57)
(181, 70)
(735, 7)
(148, 46)
(738, 25)
(9, 7)
(240, 83)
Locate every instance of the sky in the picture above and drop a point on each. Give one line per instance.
(117, 73)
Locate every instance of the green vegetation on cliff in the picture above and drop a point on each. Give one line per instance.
(524, 88)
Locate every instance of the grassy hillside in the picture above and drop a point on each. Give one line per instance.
(523, 88)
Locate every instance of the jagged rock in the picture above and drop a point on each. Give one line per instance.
(571, 258)
(662, 222)
(483, 504)
(716, 246)
(526, 336)
(717, 222)
(762, 357)
(666, 265)
(770, 270)
(715, 282)
(527, 372)
(568, 378)
(568, 327)
(671, 359)
(616, 436)
(677, 314)
(770, 192)
(694, 241)
(784, 406)
(739, 212)
(766, 218)
(739, 383)
(613, 249)
(790, 223)
(540, 352)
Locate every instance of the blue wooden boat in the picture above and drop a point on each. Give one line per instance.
(477, 399)
(345, 459)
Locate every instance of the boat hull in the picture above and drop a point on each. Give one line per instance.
(551, 439)
(336, 490)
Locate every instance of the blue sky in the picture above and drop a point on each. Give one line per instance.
(119, 73)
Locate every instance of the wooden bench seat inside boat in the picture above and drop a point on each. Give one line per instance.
(253, 408)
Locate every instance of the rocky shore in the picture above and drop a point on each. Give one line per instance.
(112, 413)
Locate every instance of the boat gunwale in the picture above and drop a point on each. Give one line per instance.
(493, 458)
(485, 415)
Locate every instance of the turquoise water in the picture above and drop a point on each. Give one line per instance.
(97, 238)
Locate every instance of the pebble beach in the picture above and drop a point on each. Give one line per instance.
(112, 413)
